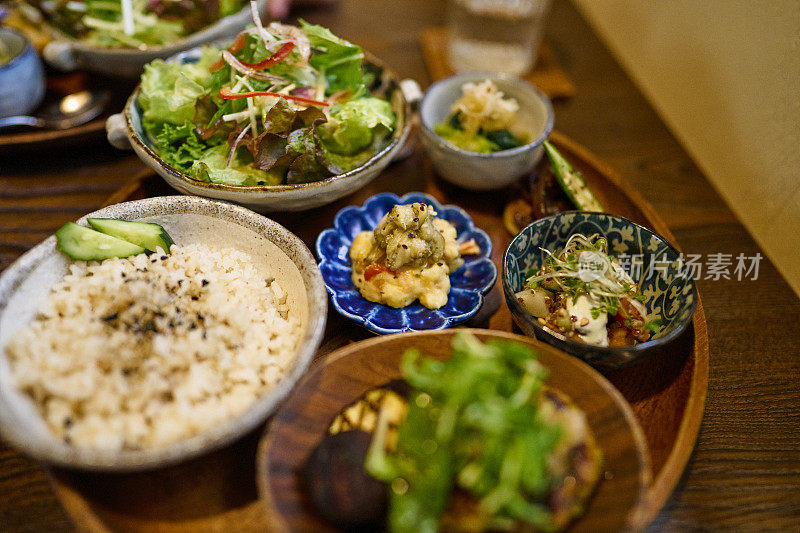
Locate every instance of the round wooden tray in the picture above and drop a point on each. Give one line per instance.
(218, 491)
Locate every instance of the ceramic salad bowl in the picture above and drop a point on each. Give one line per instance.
(469, 284)
(28, 281)
(125, 130)
(650, 260)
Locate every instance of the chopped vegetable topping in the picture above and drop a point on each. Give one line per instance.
(578, 288)
(480, 121)
(478, 425)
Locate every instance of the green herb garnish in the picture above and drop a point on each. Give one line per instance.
(569, 272)
(474, 423)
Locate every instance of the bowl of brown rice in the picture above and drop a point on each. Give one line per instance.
(141, 362)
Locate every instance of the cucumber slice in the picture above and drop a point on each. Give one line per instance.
(571, 181)
(145, 234)
(85, 244)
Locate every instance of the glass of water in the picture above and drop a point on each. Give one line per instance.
(495, 35)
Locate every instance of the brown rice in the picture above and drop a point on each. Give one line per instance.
(145, 351)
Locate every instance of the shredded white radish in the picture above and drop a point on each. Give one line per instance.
(236, 117)
(483, 105)
(235, 145)
(294, 34)
(127, 17)
(264, 34)
(252, 109)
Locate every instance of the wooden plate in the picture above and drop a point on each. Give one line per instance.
(666, 391)
(301, 423)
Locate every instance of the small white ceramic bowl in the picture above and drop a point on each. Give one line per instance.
(125, 131)
(27, 282)
(473, 170)
(70, 54)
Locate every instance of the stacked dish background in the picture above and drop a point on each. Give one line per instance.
(68, 54)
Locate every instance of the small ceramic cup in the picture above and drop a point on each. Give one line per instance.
(478, 171)
(21, 77)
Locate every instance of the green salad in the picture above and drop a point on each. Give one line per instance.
(483, 428)
(482, 120)
(134, 23)
(283, 104)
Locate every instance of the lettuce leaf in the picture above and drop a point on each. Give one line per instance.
(179, 146)
(338, 59)
(307, 162)
(211, 167)
(353, 125)
(169, 91)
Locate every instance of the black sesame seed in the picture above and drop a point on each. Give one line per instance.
(411, 235)
(405, 247)
(195, 298)
(153, 260)
(163, 257)
(416, 219)
(122, 274)
(110, 317)
(205, 282)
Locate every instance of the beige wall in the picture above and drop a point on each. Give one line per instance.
(725, 77)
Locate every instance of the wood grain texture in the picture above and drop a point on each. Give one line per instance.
(619, 501)
(744, 474)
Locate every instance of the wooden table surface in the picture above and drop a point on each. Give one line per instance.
(745, 470)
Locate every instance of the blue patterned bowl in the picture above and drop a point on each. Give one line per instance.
(467, 285)
(669, 292)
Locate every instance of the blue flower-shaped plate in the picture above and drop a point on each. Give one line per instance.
(669, 292)
(468, 284)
